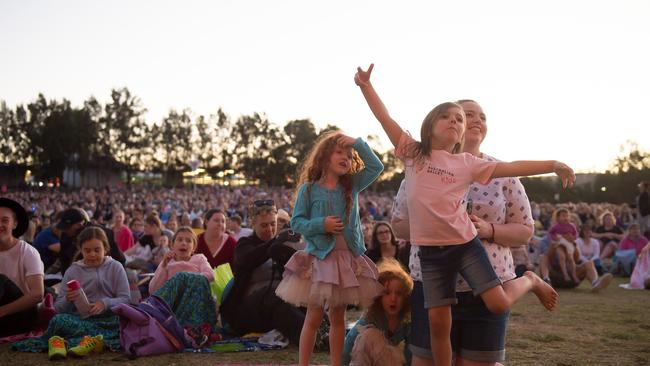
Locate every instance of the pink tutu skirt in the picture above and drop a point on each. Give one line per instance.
(338, 280)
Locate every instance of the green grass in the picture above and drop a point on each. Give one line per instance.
(608, 328)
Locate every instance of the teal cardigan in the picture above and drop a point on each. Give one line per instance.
(312, 206)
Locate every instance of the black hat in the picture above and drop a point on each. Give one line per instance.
(70, 217)
(21, 216)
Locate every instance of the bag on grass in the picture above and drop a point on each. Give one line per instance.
(149, 328)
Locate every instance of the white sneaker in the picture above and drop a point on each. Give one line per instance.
(602, 282)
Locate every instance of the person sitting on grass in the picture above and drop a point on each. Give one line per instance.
(385, 245)
(183, 280)
(609, 235)
(629, 249)
(634, 240)
(215, 243)
(379, 336)
(86, 324)
(589, 248)
(181, 258)
(559, 260)
(21, 272)
(560, 239)
(140, 256)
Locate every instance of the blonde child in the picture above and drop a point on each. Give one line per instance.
(378, 337)
(332, 271)
(181, 258)
(437, 180)
(160, 251)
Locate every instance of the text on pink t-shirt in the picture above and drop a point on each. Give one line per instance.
(435, 190)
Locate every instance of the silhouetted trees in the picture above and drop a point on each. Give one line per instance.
(50, 136)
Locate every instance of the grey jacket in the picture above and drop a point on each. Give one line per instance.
(106, 283)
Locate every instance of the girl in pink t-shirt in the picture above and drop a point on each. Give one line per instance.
(437, 180)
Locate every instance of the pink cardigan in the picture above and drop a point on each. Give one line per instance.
(198, 263)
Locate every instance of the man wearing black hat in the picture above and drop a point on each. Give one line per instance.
(21, 272)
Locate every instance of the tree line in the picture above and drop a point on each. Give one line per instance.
(51, 135)
(617, 185)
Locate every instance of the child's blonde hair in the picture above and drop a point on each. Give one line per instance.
(317, 161)
(418, 150)
(557, 213)
(390, 269)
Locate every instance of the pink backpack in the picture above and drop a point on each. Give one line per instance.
(141, 334)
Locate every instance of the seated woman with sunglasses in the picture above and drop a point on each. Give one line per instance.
(251, 305)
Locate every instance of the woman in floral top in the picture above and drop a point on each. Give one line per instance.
(502, 216)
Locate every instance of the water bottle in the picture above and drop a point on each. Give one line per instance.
(81, 302)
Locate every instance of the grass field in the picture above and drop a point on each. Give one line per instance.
(608, 328)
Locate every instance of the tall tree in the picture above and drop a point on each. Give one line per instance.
(65, 139)
(631, 158)
(224, 141)
(173, 140)
(299, 136)
(123, 130)
(7, 133)
(255, 139)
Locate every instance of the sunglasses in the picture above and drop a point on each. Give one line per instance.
(262, 203)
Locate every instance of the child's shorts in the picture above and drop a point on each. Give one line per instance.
(476, 333)
(442, 264)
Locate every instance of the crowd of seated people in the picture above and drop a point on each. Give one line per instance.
(169, 241)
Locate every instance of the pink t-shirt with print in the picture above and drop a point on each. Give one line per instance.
(435, 192)
(502, 201)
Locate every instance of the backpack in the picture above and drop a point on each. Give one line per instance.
(149, 328)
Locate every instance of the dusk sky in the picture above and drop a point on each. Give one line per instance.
(557, 79)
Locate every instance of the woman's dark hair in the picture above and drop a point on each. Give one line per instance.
(375, 241)
(208, 215)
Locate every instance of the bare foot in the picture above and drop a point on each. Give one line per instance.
(544, 292)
